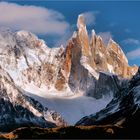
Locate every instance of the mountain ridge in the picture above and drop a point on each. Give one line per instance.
(79, 70)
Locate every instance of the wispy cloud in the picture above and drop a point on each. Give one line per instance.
(33, 18)
(127, 30)
(134, 54)
(105, 36)
(112, 24)
(90, 17)
(63, 40)
(131, 41)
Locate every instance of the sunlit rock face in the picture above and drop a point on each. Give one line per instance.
(73, 69)
(85, 58)
(31, 73)
(110, 58)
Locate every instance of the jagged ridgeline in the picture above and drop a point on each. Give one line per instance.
(33, 76)
(28, 59)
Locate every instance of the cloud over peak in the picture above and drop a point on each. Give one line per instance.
(36, 19)
(131, 41)
(90, 17)
(105, 36)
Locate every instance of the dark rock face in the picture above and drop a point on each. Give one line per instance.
(123, 110)
(15, 116)
(106, 85)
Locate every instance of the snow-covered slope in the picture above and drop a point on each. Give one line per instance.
(61, 79)
(19, 110)
(75, 69)
(28, 59)
(72, 108)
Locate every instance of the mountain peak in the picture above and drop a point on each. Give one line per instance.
(71, 69)
(81, 21)
(26, 34)
(31, 68)
(93, 32)
(112, 45)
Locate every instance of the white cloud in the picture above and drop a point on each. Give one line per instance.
(134, 54)
(131, 41)
(90, 17)
(105, 36)
(33, 18)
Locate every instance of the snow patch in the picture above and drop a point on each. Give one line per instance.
(101, 55)
(72, 108)
(110, 68)
(83, 61)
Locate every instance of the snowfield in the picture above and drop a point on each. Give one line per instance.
(72, 108)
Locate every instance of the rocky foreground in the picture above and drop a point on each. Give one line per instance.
(78, 132)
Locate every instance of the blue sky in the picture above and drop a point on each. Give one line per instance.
(55, 21)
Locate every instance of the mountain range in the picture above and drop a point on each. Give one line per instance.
(85, 83)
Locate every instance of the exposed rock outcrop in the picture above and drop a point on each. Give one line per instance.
(75, 69)
(122, 111)
(18, 110)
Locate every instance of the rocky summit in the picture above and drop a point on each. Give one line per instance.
(50, 87)
(28, 59)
